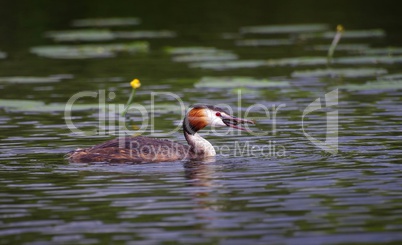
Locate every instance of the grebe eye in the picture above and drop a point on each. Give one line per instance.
(218, 114)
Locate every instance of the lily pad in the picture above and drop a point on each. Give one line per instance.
(365, 60)
(76, 107)
(200, 54)
(358, 47)
(236, 82)
(191, 50)
(246, 91)
(25, 80)
(109, 22)
(218, 56)
(89, 35)
(3, 55)
(347, 34)
(374, 33)
(345, 72)
(374, 85)
(89, 50)
(284, 29)
(263, 42)
(383, 51)
(397, 76)
(297, 61)
(353, 60)
(39, 106)
(71, 52)
(20, 104)
(226, 65)
(144, 34)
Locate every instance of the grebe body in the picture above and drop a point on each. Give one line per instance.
(142, 149)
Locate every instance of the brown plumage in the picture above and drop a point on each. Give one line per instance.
(138, 149)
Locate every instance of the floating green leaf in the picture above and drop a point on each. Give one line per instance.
(284, 29)
(246, 91)
(383, 51)
(20, 79)
(191, 50)
(353, 60)
(144, 34)
(236, 82)
(341, 72)
(89, 35)
(347, 34)
(39, 106)
(374, 33)
(106, 22)
(397, 76)
(343, 47)
(76, 107)
(20, 104)
(89, 50)
(297, 61)
(71, 52)
(365, 60)
(264, 42)
(218, 56)
(200, 54)
(374, 85)
(226, 65)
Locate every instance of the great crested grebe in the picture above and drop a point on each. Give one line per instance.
(142, 149)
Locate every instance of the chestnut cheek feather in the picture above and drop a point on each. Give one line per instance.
(198, 119)
(198, 123)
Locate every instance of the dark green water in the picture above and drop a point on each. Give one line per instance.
(275, 188)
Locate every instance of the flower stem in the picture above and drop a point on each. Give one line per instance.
(335, 41)
(130, 100)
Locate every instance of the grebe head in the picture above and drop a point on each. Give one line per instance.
(201, 116)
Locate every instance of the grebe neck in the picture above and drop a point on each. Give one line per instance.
(199, 145)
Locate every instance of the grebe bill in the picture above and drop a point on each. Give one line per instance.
(142, 149)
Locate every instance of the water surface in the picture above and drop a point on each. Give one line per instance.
(276, 188)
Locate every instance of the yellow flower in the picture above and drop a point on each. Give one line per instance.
(339, 28)
(135, 83)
